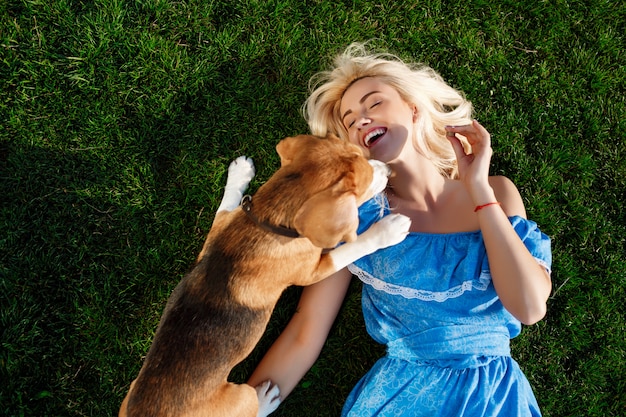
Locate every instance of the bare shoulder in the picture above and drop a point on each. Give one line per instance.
(508, 196)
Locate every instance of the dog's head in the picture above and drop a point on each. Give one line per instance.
(330, 178)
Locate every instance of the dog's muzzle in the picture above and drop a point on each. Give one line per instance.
(381, 174)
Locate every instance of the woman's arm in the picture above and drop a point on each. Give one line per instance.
(299, 345)
(522, 284)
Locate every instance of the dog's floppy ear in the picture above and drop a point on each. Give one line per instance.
(331, 216)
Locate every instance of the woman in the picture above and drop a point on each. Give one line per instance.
(447, 300)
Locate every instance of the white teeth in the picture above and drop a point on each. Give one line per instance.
(373, 134)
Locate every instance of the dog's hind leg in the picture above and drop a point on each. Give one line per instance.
(240, 173)
(123, 411)
(234, 400)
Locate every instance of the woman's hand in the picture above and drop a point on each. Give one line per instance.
(473, 167)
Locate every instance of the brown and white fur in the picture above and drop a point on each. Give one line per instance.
(219, 311)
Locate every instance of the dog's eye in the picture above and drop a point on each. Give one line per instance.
(293, 176)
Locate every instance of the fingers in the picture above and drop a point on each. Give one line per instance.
(456, 144)
(474, 132)
(474, 164)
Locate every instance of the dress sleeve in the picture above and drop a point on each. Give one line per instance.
(537, 242)
(371, 211)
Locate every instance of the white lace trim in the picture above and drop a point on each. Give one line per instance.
(411, 293)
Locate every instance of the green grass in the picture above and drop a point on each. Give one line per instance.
(118, 120)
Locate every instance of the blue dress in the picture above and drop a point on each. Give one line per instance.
(431, 301)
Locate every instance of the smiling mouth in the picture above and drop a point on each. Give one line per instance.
(373, 136)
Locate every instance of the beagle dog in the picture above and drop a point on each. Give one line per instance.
(277, 238)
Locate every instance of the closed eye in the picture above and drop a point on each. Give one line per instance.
(350, 123)
(294, 176)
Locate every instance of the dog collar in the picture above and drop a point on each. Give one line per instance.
(246, 205)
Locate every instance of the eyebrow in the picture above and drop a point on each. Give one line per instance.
(360, 102)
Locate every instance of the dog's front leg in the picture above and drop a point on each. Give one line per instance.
(388, 231)
(240, 173)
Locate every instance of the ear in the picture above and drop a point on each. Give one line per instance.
(330, 216)
(287, 149)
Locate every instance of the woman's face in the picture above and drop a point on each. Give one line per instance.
(377, 119)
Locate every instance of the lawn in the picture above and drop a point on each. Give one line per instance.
(118, 120)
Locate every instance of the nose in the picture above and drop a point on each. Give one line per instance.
(363, 121)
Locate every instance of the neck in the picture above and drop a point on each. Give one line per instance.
(418, 183)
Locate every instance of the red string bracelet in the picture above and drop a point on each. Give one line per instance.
(486, 205)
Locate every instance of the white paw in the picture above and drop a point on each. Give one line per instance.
(240, 172)
(390, 230)
(269, 398)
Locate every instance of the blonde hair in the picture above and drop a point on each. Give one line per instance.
(437, 103)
